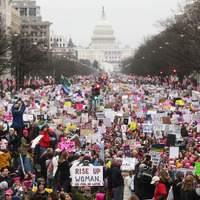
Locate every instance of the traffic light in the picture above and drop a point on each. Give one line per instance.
(96, 91)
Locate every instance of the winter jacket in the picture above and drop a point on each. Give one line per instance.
(127, 182)
(4, 159)
(18, 116)
(189, 195)
(160, 189)
(53, 141)
(13, 141)
(144, 188)
(64, 170)
(24, 145)
(28, 165)
(8, 179)
(116, 175)
(29, 193)
(49, 173)
(176, 187)
(45, 140)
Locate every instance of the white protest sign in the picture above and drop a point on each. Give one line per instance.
(87, 175)
(84, 118)
(102, 129)
(127, 163)
(173, 152)
(186, 118)
(147, 128)
(132, 143)
(36, 140)
(27, 117)
(155, 156)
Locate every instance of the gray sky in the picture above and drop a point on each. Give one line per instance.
(130, 19)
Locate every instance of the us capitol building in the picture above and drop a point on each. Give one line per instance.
(103, 47)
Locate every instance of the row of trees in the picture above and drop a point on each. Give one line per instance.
(174, 49)
(22, 57)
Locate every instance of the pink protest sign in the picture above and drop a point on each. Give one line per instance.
(68, 146)
(198, 121)
(79, 106)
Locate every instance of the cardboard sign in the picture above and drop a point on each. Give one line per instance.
(87, 176)
(68, 146)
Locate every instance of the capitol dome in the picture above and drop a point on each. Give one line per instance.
(103, 34)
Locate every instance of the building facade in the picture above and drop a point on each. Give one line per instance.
(60, 47)
(31, 21)
(103, 47)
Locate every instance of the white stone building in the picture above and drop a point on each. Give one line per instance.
(103, 47)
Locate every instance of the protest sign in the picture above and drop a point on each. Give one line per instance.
(158, 134)
(87, 176)
(82, 139)
(171, 139)
(155, 156)
(127, 151)
(54, 126)
(36, 140)
(27, 117)
(173, 152)
(68, 145)
(157, 148)
(102, 129)
(127, 163)
(70, 127)
(197, 168)
(84, 118)
(147, 128)
(132, 143)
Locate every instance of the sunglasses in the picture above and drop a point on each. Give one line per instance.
(87, 190)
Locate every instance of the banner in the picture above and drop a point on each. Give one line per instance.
(87, 175)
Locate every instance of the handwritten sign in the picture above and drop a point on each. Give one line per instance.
(68, 146)
(87, 176)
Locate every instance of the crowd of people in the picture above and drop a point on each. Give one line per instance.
(116, 132)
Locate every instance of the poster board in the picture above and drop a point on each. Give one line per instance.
(87, 175)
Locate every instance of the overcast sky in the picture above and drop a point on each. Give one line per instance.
(130, 19)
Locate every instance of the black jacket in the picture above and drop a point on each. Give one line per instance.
(116, 175)
(8, 179)
(176, 186)
(189, 195)
(145, 190)
(64, 170)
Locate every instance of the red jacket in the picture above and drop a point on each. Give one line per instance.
(161, 189)
(45, 140)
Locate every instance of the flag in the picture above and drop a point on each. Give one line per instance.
(65, 81)
(65, 89)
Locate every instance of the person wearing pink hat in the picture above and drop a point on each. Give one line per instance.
(26, 190)
(25, 143)
(8, 194)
